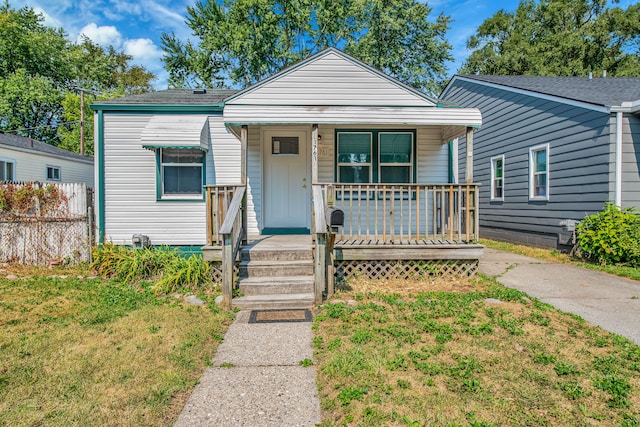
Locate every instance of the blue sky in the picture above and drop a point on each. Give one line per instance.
(135, 26)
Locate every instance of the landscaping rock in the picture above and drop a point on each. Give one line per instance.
(11, 277)
(493, 301)
(219, 299)
(352, 303)
(194, 300)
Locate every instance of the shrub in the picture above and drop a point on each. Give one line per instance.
(168, 268)
(611, 236)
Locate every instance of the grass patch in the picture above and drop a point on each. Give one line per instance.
(556, 256)
(437, 356)
(94, 352)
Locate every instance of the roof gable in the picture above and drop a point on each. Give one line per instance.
(331, 77)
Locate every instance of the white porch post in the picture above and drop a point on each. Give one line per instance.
(243, 154)
(469, 156)
(314, 153)
(244, 136)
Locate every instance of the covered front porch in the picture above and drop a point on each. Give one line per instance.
(403, 231)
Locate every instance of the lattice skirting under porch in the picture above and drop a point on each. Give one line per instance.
(405, 269)
(216, 271)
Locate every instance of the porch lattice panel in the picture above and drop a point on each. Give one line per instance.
(405, 269)
(216, 271)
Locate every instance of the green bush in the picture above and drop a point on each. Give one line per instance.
(165, 266)
(611, 236)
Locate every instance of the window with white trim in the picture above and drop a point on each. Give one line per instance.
(7, 170)
(539, 172)
(365, 157)
(54, 173)
(497, 178)
(181, 173)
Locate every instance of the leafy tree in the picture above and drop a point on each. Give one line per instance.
(240, 42)
(396, 37)
(41, 71)
(30, 104)
(558, 37)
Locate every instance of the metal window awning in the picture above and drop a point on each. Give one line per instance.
(176, 131)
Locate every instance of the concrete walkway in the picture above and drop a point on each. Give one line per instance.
(257, 380)
(611, 302)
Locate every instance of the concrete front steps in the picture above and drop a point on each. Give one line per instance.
(276, 272)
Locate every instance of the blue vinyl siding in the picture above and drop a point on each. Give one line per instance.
(579, 158)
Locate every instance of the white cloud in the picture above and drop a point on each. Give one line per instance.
(106, 35)
(48, 19)
(142, 50)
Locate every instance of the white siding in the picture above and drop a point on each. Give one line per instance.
(223, 158)
(130, 191)
(31, 166)
(331, 79)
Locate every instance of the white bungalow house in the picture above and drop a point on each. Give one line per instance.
(227, 172)
(26, 159)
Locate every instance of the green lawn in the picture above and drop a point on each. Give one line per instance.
(436, 356)
(94, 352)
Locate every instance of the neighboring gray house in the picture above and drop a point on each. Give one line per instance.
(26, 159)
(550, 149)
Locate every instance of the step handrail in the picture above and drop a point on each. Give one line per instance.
(232, 231)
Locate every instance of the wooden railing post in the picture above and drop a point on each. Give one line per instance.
(320, 266)
(227, 270)
(232, 232)
(321, 255)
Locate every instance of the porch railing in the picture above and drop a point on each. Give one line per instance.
(406, 213)
(231, 231)
(219, 199)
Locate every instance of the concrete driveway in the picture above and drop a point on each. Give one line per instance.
(611, 302)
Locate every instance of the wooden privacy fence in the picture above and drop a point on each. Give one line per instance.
(405, 213)
(44, 223)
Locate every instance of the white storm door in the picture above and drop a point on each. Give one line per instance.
(287, 182)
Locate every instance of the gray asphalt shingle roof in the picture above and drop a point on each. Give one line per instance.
(599, 91)
(39, 146)
(173, 97)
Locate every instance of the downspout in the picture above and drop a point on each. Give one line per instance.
(100, 185)
(618, 173)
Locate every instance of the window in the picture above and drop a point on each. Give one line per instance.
(7, 170)
(539, 172)
(497, 178)
(181, 174)
(285, 145)
(375, 157)
(53, 173)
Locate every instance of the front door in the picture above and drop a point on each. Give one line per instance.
(287, 189)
